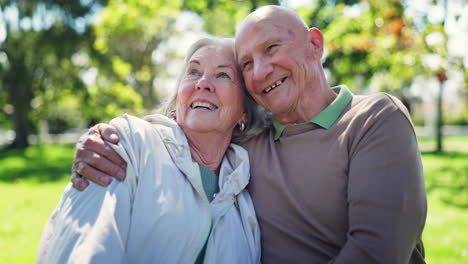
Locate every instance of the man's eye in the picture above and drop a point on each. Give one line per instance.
(269, 48)
(246, 65)
(223, 75)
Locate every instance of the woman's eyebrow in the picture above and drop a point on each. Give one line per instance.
(225, 66)
(194, 61)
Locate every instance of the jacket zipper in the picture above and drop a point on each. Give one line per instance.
(214, 226)
(209, 224)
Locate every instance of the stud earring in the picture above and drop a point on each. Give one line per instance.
(242, 126)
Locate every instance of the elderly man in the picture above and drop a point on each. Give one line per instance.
(336, 179)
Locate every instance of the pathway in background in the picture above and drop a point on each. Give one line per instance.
(426, 142)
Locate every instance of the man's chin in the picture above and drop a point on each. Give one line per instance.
(262, 104)
(274, 107)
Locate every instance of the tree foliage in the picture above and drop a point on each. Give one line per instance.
(66, 70)
(126, 37)
(372, 44)
(221, 16)
(40, 38)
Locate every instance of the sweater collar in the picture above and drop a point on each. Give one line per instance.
(328, 116)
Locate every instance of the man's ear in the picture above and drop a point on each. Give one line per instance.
(316, 39)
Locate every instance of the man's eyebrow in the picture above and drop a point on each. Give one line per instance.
(194, 61)
(242, 60)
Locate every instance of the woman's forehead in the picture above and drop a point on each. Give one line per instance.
(214, 54)
(220, 50)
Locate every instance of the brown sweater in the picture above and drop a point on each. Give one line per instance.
(353, 193)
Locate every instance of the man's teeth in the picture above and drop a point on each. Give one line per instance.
(204, 105)
(273, 86)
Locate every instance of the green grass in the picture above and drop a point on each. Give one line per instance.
(32, 181)
(25, 208)
(452, 143)
(38, 164)
(445, 235)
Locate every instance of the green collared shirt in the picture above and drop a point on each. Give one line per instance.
(329, 115)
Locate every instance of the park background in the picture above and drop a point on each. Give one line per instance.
(66, 65)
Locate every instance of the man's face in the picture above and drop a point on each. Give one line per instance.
(274, 57)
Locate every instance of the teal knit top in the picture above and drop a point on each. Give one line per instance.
(209, 181)
(211, 187)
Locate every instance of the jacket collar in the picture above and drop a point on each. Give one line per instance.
(234, 171)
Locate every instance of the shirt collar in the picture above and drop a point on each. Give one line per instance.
(329, 115)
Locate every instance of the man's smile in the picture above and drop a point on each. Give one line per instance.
(273, 86)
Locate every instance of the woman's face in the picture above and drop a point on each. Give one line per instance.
(210, 97)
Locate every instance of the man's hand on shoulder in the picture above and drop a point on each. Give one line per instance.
(95, 160)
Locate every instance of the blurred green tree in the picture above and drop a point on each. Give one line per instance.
(126, 37)
(436, 46)
(371, 44)
(39, 39)
(131, 30)
(221, 16)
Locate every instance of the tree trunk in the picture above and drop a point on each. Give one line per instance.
(19, 87)
(439, 121)
(21, 101)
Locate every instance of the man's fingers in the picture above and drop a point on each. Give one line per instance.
(115, 158)
(95, 160)
(79, 182)
(100, 163)
(92, 174)
(108, 133)
(95, 143)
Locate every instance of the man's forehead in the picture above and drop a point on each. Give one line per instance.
(256, 30)
(254, 23)
(249, 40)
(259, 33)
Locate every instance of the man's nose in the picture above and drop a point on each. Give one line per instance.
(262, 68)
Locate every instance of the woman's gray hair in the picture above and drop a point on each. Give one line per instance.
(258, 119)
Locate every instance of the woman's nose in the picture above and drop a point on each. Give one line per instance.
(205, 84)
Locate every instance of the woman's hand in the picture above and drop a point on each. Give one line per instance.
(95, 160)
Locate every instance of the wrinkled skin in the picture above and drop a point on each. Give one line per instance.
(92, 153)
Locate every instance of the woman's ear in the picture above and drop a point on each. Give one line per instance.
(242, 122)
(244, 118)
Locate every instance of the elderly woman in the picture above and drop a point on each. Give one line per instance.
(184, 198)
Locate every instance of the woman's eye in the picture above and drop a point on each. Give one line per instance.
(223, 75)
(193, 72)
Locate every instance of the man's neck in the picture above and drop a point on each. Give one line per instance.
(309, 106)
(208, 149)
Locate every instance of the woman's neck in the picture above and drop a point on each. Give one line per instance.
(208, 149)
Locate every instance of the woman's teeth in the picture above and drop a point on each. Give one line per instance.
(204, 105)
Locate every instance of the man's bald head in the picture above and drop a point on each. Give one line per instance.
(271, 12)
(280, 60)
